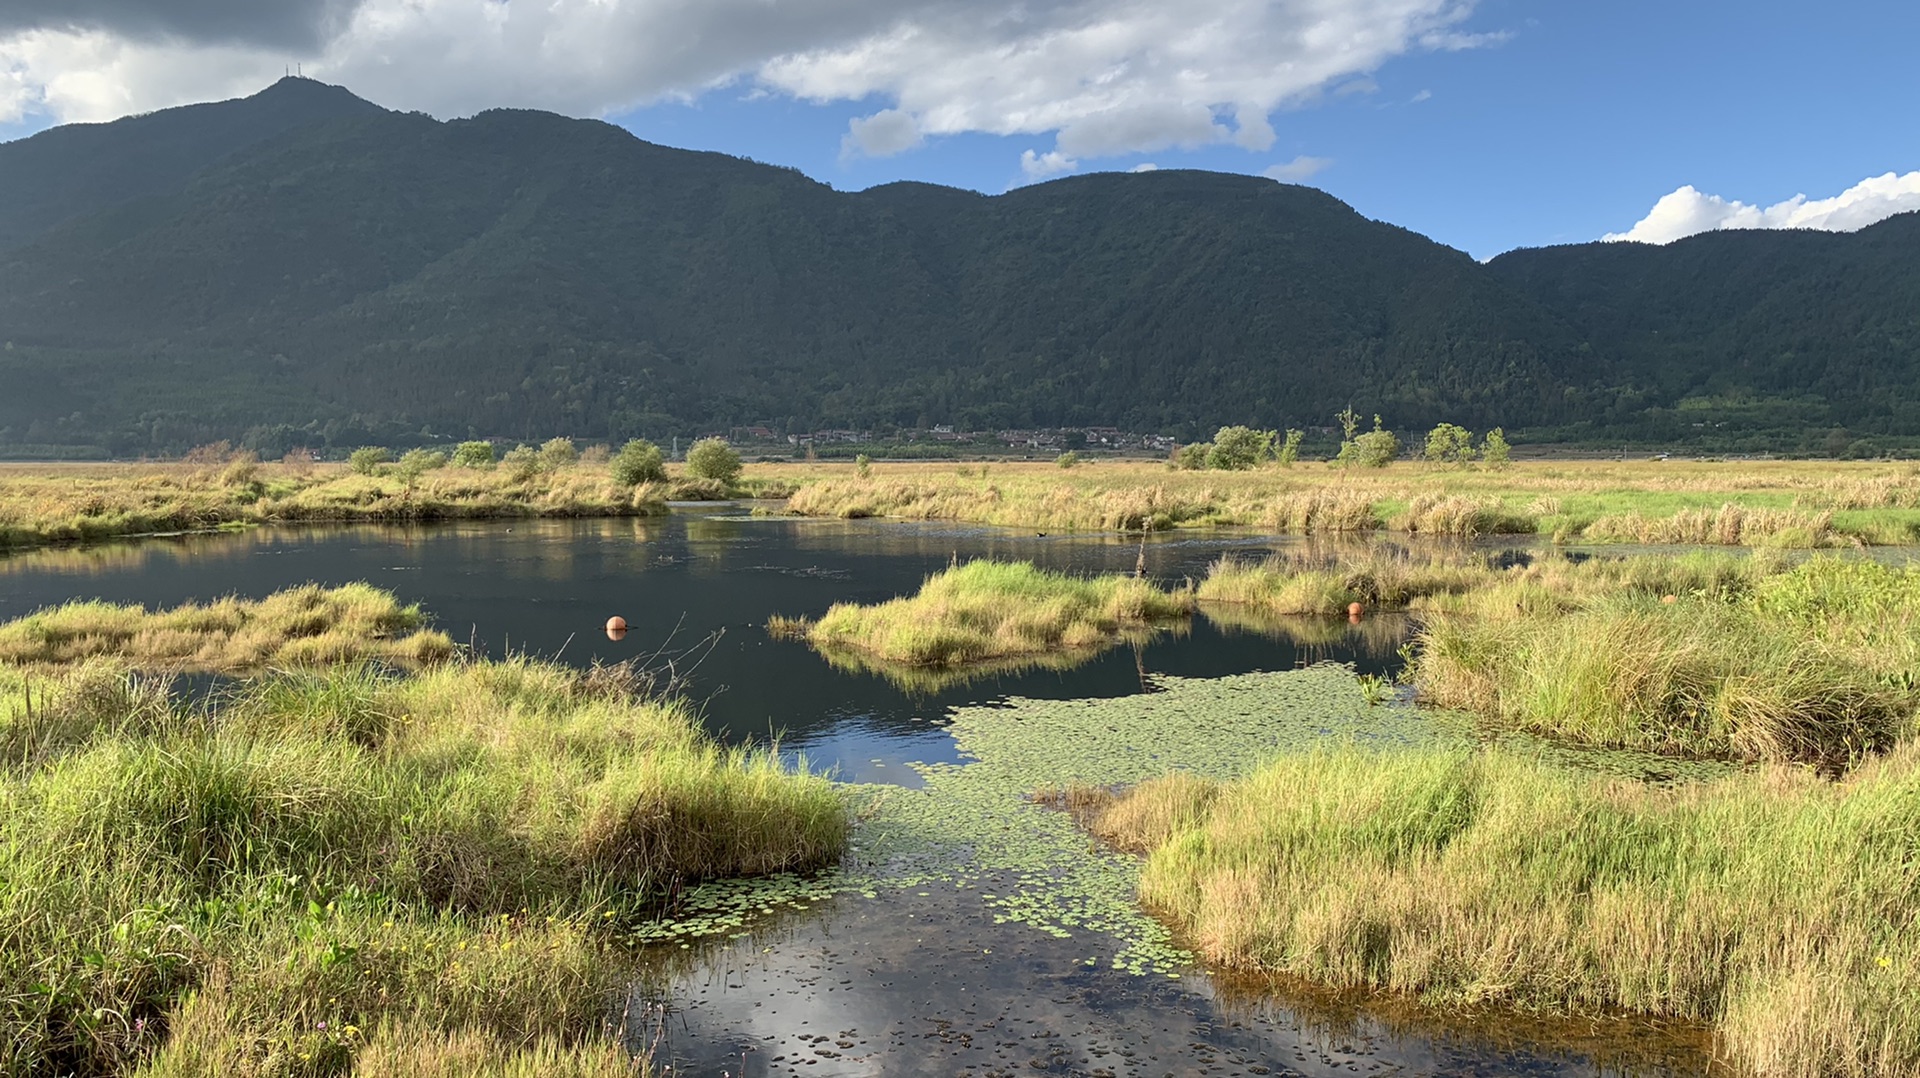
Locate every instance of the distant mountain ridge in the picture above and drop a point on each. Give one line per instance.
(303, 267)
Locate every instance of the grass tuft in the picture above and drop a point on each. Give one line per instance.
(1776, 906)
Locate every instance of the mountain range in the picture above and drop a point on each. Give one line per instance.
(302, 267)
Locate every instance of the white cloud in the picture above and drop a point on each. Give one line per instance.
(882, 134)
(1687, 210)
(1424, 95)
(1103, 77)
(1145, 166)
(1038, 166)
(1300, 168)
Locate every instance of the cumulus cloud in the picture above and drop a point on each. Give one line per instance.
(1145, 166)
(882, 134)
(1101, 77)
(1038, 166)
(1298, 169)
(1688, 211)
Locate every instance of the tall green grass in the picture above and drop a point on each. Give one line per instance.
(450, 856)
(1781, 908)
(1817, 664)
(987, 610)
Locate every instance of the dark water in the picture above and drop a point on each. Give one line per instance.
(907, 983)
(697, 588)
(928, 984)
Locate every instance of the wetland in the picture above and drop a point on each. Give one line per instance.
(970, 924)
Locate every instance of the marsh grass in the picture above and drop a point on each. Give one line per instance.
(45, 504)
(1752, 503)
(1468, 582)
(1816, 663)
(451, 857)
(985, 610)
(1775, 905)
(307, 625)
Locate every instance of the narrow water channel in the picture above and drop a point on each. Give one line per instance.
(971, 961)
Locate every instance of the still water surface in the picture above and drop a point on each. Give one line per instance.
(909, 983)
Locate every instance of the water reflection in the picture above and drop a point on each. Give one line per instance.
(928, 984)
(696, 589)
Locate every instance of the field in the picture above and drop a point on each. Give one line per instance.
(1753, 503)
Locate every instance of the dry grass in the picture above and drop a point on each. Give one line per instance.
(1781, 503)
(1779, 907)
(304, 626)
(52, 503)
(984, 611)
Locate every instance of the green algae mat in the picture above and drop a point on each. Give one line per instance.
(973, 827)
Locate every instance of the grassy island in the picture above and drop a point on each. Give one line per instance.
(985, 611)
(303, 626)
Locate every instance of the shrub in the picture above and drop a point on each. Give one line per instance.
(1375, 449)
(557, 453)
(415, 462)
(638, 461)
(1192, 457)
(1069, 459)
(521, 463)
(1450, 444)
(1236, 449)
(713, 458)
(367, 459)
(863, 464)
(473, 454)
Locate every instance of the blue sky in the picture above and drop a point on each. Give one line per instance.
(1569, 129)
(1487, 125)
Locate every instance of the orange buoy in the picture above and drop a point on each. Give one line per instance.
(616, 634)
(616, 624)
(1354, 610)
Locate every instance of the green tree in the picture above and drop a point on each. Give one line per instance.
(473, 454)
(639, 461)
(1236, 449)
(863, 464)
(367, 459)
(1494, 450)
(1192, 457)
(713, 458)
(558, 453)
(1449, 444)
(1069, 459)
(1289, 450)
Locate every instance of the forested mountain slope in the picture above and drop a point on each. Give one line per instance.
(332, 273)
